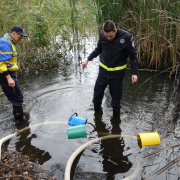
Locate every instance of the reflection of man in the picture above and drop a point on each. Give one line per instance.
(8, 68)
(28, 149)
(112, 149)
(115, 46)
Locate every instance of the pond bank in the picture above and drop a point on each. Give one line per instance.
(14, 165)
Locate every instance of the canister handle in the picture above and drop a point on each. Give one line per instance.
(72, 116)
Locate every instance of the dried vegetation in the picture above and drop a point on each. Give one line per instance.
(16, 166)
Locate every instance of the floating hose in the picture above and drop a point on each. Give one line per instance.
(76, 153)
(24, 129)
(84, 146)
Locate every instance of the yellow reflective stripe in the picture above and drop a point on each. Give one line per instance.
(6, 52)
(113, 69)
(9, 38)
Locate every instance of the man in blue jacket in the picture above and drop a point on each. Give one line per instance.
(115, 46)
(8, 68)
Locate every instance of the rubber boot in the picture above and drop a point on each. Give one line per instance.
(98, 114)
(97, 107)
(19, 115)
(116, 112)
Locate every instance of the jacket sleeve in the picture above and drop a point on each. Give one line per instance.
(132, 55)
(6, 52)
(96, 51)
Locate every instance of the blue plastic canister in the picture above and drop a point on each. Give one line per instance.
(75, 120)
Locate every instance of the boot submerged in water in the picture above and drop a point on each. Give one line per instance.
(116, 112)
(19, 115)
(97, 107)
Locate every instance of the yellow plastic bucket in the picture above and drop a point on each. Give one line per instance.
(148, 139)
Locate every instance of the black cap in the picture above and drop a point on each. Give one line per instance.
(19, 29)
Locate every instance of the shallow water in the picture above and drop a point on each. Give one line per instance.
(55, 94)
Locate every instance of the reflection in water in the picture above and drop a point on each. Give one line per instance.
(153, 107)
(111, 149)
(24, 142)
(54, 94)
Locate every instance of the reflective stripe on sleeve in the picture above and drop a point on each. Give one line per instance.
(5, 52)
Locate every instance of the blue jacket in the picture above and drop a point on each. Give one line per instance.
(8, 55)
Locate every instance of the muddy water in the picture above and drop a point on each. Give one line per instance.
(55, 94)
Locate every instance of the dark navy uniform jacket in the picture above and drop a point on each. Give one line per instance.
(114, 54)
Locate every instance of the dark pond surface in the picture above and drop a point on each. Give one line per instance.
(55, 94)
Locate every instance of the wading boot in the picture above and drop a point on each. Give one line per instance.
(98, 114)
(116, 112)
(19, 115)
(97, 107)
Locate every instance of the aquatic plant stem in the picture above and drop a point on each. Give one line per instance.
(153, 76)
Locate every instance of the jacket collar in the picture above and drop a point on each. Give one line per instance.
(10, 38)
(119, 30)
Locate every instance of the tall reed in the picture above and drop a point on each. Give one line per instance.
(155, 25)
(49, 25)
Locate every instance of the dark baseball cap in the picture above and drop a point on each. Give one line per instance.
(19, 29)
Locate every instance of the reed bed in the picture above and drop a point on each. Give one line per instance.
(50, 26)
(54, 26)
(154, 24)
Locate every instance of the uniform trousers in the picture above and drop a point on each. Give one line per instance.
(15, 95)
(115, 88)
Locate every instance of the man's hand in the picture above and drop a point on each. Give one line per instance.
(10, 81)
(85, 64)
(134, 78)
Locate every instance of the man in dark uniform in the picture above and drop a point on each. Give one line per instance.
(8, 68)
(115, 46)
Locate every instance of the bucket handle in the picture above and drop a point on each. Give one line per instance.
(72, 116)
